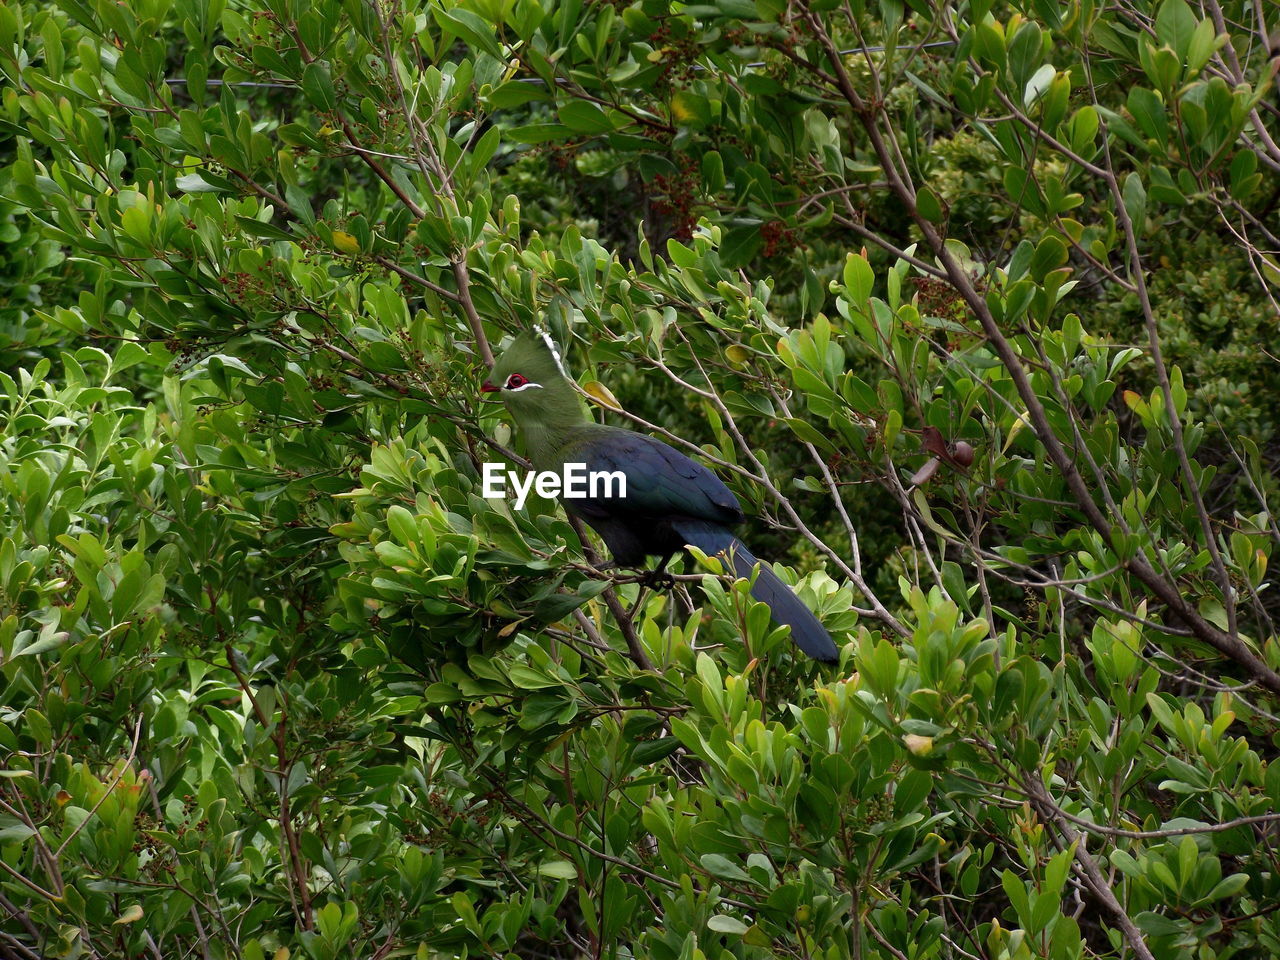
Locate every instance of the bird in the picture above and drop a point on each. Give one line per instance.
(670, 501)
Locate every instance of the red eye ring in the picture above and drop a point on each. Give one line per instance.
(515, 381)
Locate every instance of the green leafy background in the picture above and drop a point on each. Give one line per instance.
(277, 681)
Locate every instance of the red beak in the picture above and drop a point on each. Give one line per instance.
(488, 387)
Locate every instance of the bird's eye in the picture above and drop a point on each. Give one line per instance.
(515, 380)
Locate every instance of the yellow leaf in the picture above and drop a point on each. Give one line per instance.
(130, 915)
(281, 954)
(1017, 428)
(737, 354)
(345, 243)
(918, 745)
(601, 395)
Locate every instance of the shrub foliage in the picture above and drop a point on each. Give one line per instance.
(971, 304)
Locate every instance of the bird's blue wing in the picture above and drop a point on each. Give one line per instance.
(660, 480)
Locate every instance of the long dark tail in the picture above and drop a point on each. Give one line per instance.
(784, 606)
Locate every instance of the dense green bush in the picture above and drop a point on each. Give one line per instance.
(969, 304)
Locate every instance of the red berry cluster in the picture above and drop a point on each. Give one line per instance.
(937, 298)
(245, 289)
(675, 196)
(679, 57)
(440, 810)
(562, 155)
(266, 29)
(777, 236)
(184, 351)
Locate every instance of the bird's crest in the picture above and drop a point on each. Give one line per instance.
(545, 334)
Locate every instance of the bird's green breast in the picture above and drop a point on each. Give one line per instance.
(551, 449)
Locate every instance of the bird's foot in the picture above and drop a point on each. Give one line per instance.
(658, 580)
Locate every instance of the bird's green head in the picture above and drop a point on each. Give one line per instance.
(531, 380)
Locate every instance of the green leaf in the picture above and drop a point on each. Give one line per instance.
(51, 641)
(1025, 53)
(740, 245)
(559, 869)
(1228, 887)
(16, 833)
(1244, 181)
(557, 606)
(515, 93)
(580, 116)
(318, 86)
(1050, 254)
(1082, 129)
(136, 223)
(1201, 47)
(681, 255)
(539, 133)
(651, 751)
(529, 679)
(858, 278)
(929, 206)
(1149, 113)
(470, 27)
(1016, 891)
(264, 230)
(51, 37)
(1039, 82)
(202, 182)
(1155, 925)
(1135, 202)
(442, 693)
(731, 925)
(722, 867)
(403, 525)
(713, 179)
(10, 26)
(1175, 25)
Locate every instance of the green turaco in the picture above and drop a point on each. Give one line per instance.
(670, 501)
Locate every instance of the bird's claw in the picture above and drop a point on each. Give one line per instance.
(659, 580)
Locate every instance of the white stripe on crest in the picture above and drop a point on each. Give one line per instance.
(555, 354)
